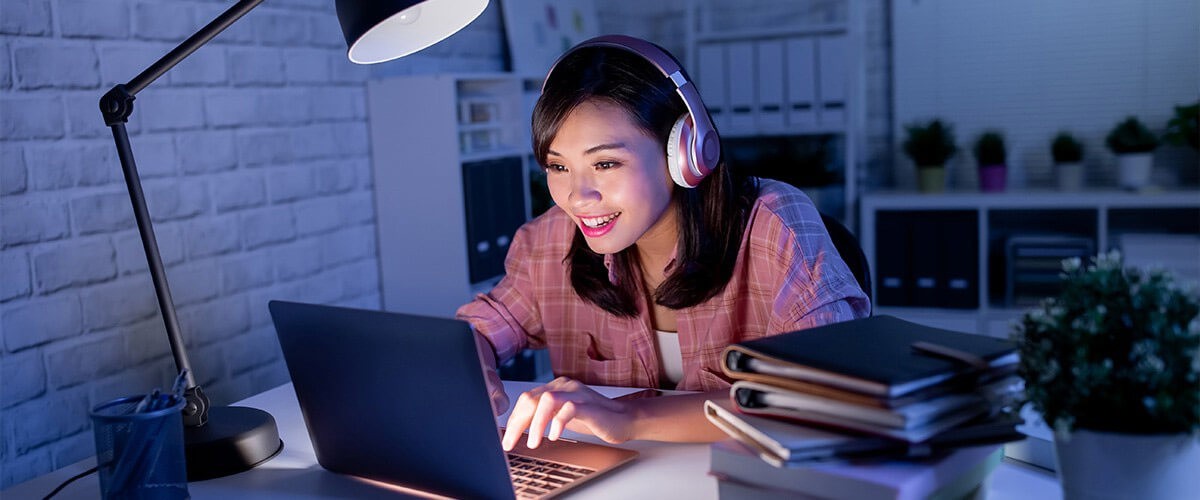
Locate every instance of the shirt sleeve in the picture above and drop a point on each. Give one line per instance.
(507, 316)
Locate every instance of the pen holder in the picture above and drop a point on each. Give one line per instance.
(140, 455)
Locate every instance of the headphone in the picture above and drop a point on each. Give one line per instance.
(693, 147)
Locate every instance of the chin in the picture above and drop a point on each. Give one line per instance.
(605, 246)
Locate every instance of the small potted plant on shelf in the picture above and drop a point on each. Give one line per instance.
(1184, 128)
(990, 154)
(1068, 161)
(1113, 365)
(929, 145)
(1134, 146)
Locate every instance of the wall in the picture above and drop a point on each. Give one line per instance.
(254, 158)
(1031, 68)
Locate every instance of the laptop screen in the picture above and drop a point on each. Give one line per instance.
(394, 397)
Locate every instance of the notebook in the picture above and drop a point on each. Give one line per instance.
(401, 399)
(786, 444)
(873, 356)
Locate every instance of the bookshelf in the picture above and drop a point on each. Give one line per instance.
(450, 157)
(783, 84)
(966, 236)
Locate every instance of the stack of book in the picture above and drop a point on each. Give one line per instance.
(869, 389)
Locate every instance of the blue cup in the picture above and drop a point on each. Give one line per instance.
(140, 455)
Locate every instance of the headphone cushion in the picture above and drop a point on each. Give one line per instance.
(678, 152)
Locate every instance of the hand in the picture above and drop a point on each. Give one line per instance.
(566, 403)
(491, 376)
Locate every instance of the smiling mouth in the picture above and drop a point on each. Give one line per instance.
(598, 222)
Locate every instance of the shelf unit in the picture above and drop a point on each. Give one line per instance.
(760, 80)
(451, 159)
(1105, 217)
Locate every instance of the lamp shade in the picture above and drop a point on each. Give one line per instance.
(382, 30)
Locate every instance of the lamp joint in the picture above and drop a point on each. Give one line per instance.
(116, 105)
(195, 411)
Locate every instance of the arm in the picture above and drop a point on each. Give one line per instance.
(676, 418)
(504, 318)
(569, 404)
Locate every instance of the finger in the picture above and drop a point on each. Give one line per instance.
(561, 419)
(519, 419)
(499, 402)
(496, 393)
(547, 406)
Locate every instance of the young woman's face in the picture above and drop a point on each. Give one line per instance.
(611, 177)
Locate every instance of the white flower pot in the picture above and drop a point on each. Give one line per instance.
(1101, 465)
(1133, 169)
(1070, 176)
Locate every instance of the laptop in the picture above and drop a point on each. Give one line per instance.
(401, 399)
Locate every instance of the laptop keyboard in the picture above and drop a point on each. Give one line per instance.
(533, 477)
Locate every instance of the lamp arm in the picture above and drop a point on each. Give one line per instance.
(117, 105)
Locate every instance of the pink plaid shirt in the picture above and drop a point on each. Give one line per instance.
(788, 276)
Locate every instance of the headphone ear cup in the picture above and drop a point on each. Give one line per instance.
(679, 153)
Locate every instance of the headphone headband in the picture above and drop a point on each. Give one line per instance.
(704, 148)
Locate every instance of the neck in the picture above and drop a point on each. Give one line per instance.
(656, 247)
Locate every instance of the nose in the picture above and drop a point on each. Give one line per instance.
(583, 190)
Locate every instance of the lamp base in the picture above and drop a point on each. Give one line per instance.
(234, 439)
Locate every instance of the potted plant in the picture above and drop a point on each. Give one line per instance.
(929, 145)
(990, 155)
(1184, 127)
(1113, 365)
(1133, 144)
(1068, 161)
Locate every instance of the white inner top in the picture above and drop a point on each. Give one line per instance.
(669, 356)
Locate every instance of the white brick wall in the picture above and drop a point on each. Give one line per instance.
(253, 157)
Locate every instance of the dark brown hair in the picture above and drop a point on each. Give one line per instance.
(712, 216)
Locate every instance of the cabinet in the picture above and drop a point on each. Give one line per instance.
(964, 261)
(783, 85)
(450, 156)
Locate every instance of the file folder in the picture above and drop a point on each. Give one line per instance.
(769, 60)
(801, 82)
(893, 244)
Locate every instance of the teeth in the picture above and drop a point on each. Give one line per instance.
(594, 222)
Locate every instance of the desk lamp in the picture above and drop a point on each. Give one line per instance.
(223, 440)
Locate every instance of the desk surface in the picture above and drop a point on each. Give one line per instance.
(294, 473)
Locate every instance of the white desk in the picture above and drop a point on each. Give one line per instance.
(662, 471)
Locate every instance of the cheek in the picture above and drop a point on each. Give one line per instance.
(559, 188)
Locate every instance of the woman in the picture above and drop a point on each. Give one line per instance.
(633, 279)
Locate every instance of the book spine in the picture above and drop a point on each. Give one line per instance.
(739, 465)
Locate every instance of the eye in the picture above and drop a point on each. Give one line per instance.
(554, 167)
(605, 165)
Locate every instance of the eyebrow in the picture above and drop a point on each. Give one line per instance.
(594, 149)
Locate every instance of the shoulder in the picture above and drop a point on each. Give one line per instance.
(783, 211)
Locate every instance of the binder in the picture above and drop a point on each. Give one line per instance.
(958, 279)
(741, 87)
(801, 82)
(769, 60)
(831, 57)
(926, 261)
(495, 209)
(711, 82)
(893, 268)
